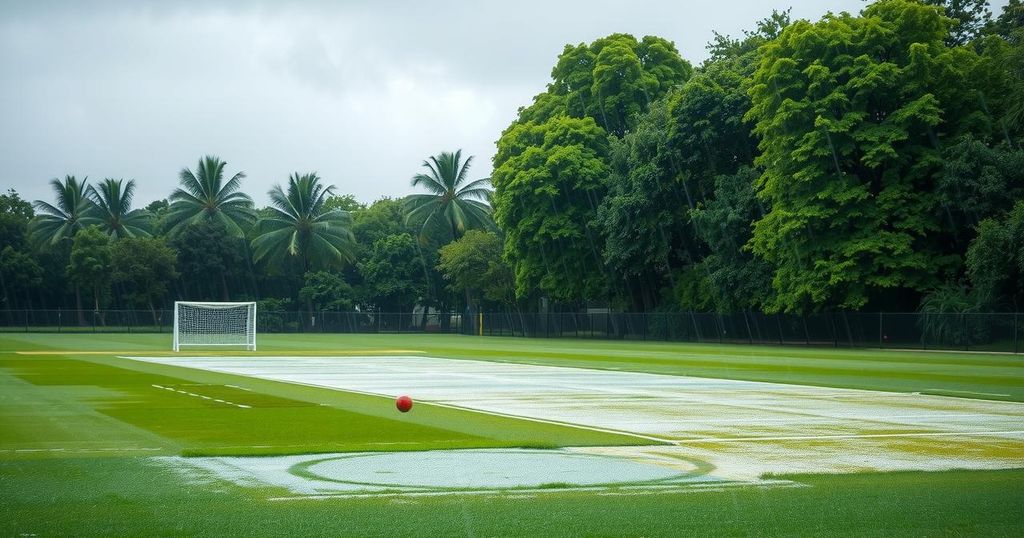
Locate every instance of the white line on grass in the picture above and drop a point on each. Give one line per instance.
(968, 392)
(110, 449)
(843, 436)
(243, 406)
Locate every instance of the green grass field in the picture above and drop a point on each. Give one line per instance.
(77, 426)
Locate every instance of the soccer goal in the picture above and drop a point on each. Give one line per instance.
(214, 324)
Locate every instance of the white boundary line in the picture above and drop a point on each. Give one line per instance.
(845, 436)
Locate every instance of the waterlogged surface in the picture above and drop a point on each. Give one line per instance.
(740, 429)
(442, 471)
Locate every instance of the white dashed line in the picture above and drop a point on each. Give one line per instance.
(241, 406)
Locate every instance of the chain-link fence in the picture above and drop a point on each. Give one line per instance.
(977, 332)
(162, 321)
(973, 332)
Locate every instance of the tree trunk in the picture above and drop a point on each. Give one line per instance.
(78, 305)
(224, 287)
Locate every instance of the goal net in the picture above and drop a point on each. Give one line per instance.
(214, 324)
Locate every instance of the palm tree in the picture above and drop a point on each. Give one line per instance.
(113, 212)
(204, 194)
(452, 204)
(298, 225)
(56, 224)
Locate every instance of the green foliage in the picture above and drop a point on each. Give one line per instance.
(734, 279)
(57, 224)
(144, 267)
(612, 80)
(327, 291)
(383, 217)
(12, 204)
(851, 112)
(454, 204)
(393, 274)
(15, 215)
(112, 210)
(90, 262)
(205, 195)
(969, 19)
(209, 261)
(344, 202)
(938, 326)
(299, 226)
(473, 265)
(995, 260)
(643, 216)
(1009, 21)
(977, 181)
(19, 273)
(549, 179)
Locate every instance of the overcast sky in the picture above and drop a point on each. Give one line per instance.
(360, 92)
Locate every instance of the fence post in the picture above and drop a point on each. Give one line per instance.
(1015, 333)
(964, 329)
(880, 330)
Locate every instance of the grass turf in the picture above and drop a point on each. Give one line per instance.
(989, 376)
(93, 401)
(107, 496)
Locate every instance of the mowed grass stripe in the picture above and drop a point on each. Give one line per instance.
(268, 418)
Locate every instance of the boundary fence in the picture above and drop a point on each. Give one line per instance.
(969, 332)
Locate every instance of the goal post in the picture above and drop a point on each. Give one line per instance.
(214, 324)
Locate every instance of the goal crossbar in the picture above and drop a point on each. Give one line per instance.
(214, 324)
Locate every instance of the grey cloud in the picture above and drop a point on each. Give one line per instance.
(361, 92)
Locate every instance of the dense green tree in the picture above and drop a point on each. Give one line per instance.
(212, 264)
(473, 266)
(205, 195)
(1009, 22)
(1008, 52)
(731, 278)
(58, 223)
(327, 291)
(90, 264)
(299, 227)
(113, 212)
(344, 202)
(19, 272)
(969, 18)
(143, 268)
(454, 203)
(386, 216)
(851, 113)
(612, 80)
(643, 216)
(19, 276)
(15, 215)
(54, 228)
(977, 181)
(666, 167)
(392, 274)
(995, 261)
(549, 179)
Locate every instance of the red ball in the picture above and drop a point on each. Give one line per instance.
(403, 403)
